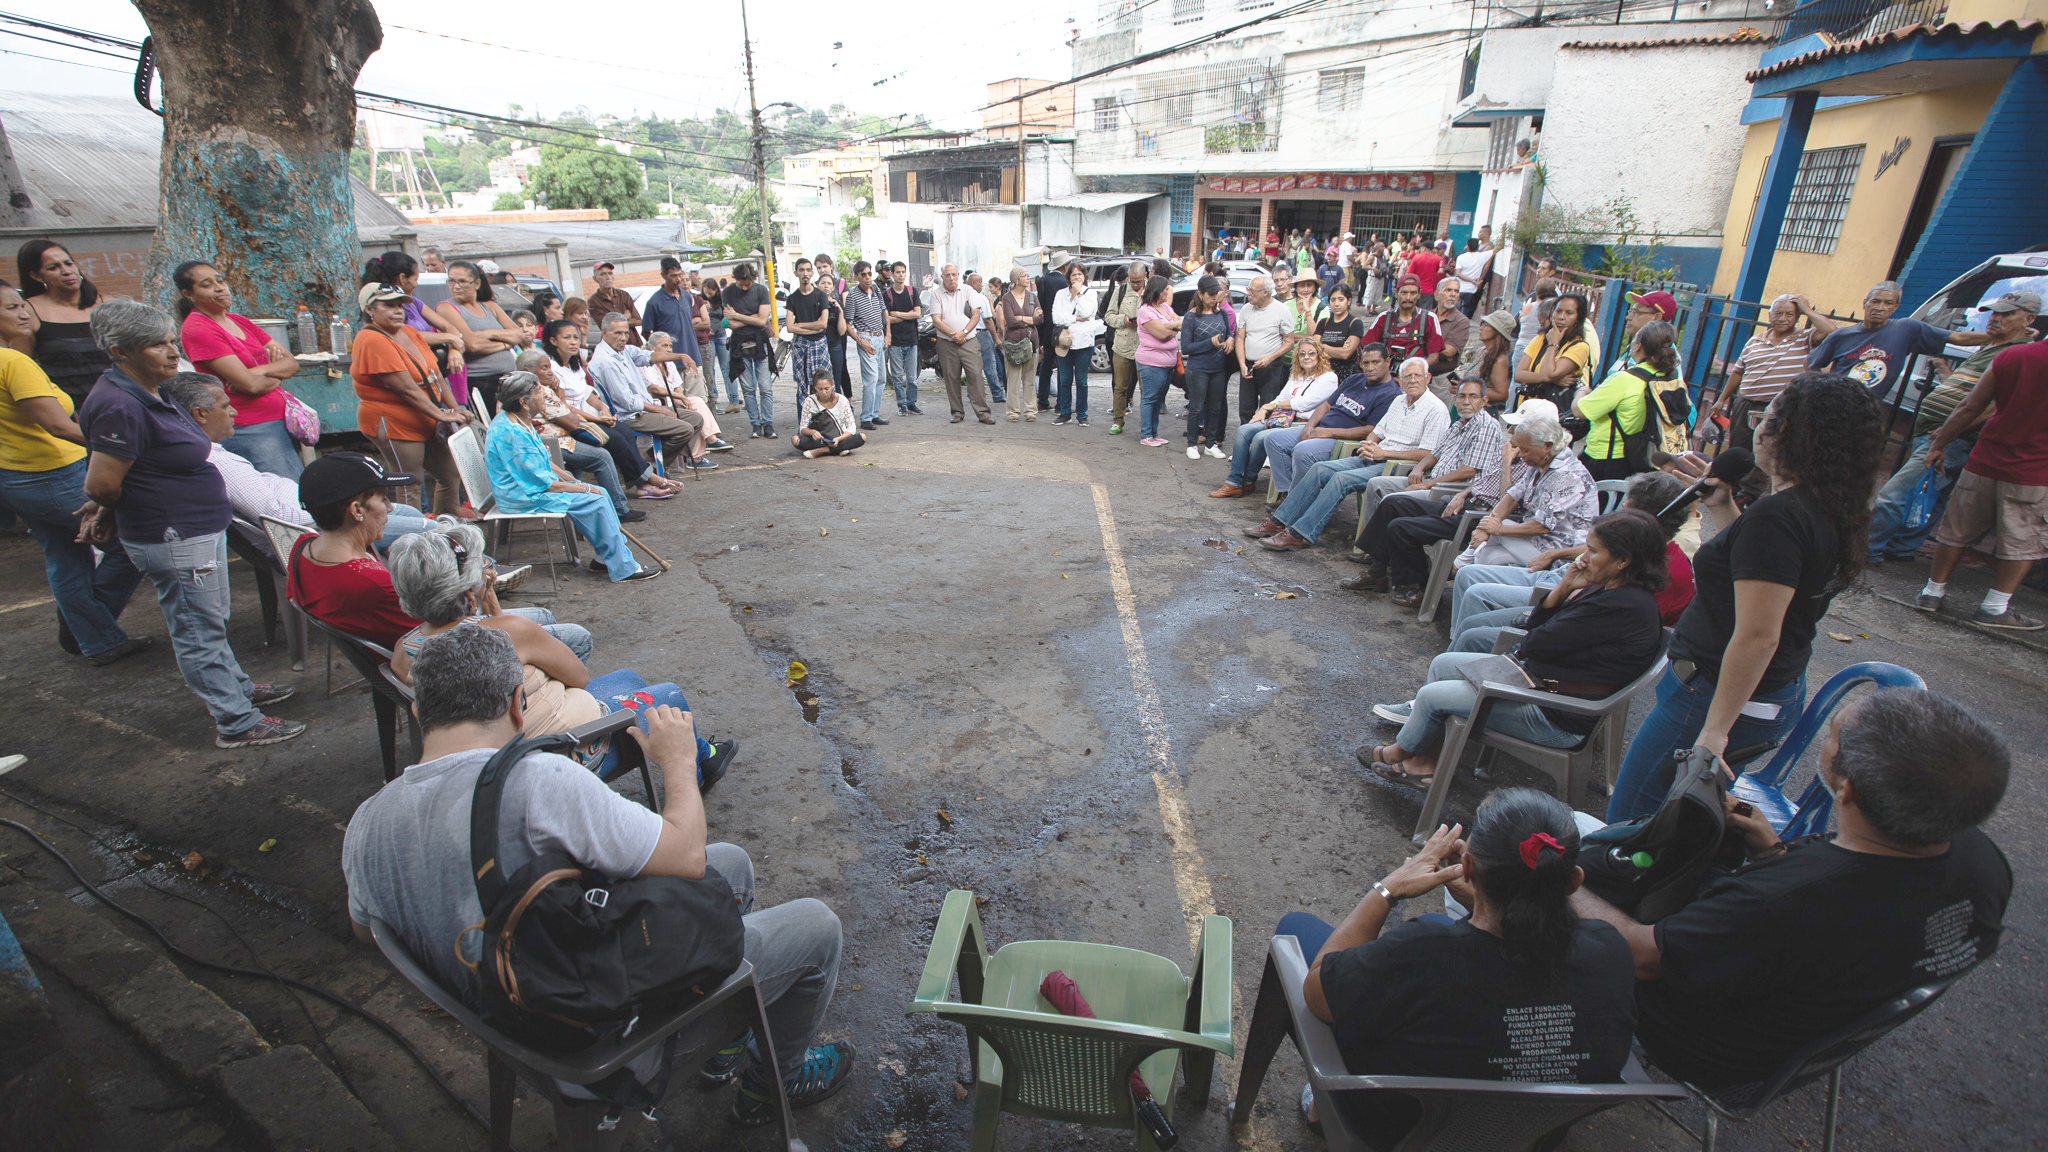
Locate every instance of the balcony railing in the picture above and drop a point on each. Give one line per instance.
(1858, 19)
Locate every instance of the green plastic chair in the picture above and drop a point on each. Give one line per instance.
(1033, 1061)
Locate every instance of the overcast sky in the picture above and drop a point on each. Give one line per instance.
(672, 59)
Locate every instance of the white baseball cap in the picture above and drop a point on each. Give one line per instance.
(1530, 410)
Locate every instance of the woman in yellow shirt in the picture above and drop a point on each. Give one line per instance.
(1560, 359)
(42, 480)
(1617, 408)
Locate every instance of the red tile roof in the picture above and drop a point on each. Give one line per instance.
(1967, 29)
(1739, 36)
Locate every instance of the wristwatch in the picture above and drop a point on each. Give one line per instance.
(1391, 899)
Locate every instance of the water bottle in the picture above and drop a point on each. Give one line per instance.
(309, 343)
(338, 336)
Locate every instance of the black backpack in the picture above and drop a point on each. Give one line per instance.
(1652, 866)
(570, 958)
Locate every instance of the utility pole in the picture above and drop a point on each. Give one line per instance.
(1020, 166)
(760, 176)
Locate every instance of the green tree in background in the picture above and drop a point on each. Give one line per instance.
(579, 179)
(508, 202)
(744, 235)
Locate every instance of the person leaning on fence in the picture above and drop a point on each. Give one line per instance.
(826, 421)
(523, 479)
(469, 694)
(1458, 999)
(1809, 935)
(443, 578)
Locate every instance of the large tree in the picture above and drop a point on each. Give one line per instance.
(259, 116)
(590, 179)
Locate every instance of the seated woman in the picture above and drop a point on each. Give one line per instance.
(524, 479)
(570, 432)
(1594, 632)
(440, 577)
(336, 577)
(568, 376)
(684, 390)
(829, 426)
(1521, 989)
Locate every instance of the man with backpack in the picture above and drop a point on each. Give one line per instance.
(407, 859)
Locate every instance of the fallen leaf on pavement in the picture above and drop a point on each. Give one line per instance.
(895, 1066)
(1283, 594)
(959, 1091)
(1842, 636)
(895, 1138)
(824, 532)
(267, 845)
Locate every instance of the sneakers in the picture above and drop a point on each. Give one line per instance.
(1061, 419)
(1216, 453)
(913, 410)
(768, 431)
(702, 463)
(754, 432)
(718, 444)
(1927, 603)
(867, 425)
(1194, 453)
(1395, 713)
(268, 730)
(877, 420)
(710, 771)
(632, 516)
(724, 1065)
(1153, 442)
(1116, 429)
(262, 694)
(644, 573)
(127, 648)
(825, 1070)
(1081, 420)
(2008, 619)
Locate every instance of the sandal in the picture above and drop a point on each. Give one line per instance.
(1399, 775)
(653, 494)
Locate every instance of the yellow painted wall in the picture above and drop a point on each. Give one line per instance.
(1877, 208)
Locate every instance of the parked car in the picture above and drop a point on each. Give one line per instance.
(1103, 274)
(1959, 307)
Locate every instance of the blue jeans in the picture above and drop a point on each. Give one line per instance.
(626, 689)
(1448, 693)
(1311, 932)
(269, 447)
(1073, 370)
(1888, 531)
(872, 372)
(1248, 455)
(1482, 629)
(1153, 381)
(597, 464)
(903, 374)
(1322, 490)
(405, 520)
(755, 393)
(1465, 601)
(992, 368)
(724, 371)
(1675, 723)
(574, 636)
(191, 579)
(593, 516)
(89, 595)
(1291, 457)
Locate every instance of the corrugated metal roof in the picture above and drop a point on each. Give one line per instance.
(1095, 201)
(1967, 29)
(1739, 36)
(93, 162)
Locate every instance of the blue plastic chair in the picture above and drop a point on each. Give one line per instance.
(1764, 788)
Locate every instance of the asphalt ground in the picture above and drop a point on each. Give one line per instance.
(1030, 651)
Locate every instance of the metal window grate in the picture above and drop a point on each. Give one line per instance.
(1820, 199)
(1105, 113)
(1340, 90)
(1188, 11)
(1178, 111)
(1500, 144)
(1391, 220)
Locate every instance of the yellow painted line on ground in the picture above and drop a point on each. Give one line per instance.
(38, 603)
(1190, 875)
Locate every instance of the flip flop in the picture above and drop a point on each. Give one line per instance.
(650, 494)
(1394, 773)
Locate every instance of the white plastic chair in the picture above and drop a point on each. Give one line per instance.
(468, 450)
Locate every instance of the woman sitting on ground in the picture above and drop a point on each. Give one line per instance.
(524, 479)
(442, 578)
(1596, 631)
(828, 424)
(1458, 999)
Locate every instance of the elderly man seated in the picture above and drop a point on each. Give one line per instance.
(1405, 514)
(1811, 934)
(406, 858)
(615, 370)
(1410, 429)
(1349, 414)
(254, 493)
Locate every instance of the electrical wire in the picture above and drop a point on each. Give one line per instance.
(55, 60)
(228, 969)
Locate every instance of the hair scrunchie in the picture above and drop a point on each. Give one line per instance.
(1532, 848)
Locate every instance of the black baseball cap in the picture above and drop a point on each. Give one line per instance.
(340, 476)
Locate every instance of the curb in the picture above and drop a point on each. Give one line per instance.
(287, 1096)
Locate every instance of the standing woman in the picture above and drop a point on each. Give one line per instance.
(489, 338)
(1341, 333)
(42, 480)
(61, 301)
(1075, 311)
(1158, 352)
(1017, 315)
(1738, 661)
(402, 402)
(244, 358)
(1618, 408)
(1206, 333)
(1560, 359)
(403, 273)
(153, 489)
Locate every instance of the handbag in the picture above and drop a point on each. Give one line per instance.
(1018, 352)
(1064, 343)
(300, 421)
(1652, 866)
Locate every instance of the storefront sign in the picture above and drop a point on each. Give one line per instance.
(1332, 181)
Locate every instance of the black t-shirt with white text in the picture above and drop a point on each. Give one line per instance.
(1784, 538)
(1784, 950)
(1435, 999)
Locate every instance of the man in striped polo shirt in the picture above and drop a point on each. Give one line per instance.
(1769, 362)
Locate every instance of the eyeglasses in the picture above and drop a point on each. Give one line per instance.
(456, 547)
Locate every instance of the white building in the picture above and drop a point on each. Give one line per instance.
(1332, 120)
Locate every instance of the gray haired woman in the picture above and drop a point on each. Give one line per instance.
(1553, 492)
(151, 487)
(439, 576)
(557, 420)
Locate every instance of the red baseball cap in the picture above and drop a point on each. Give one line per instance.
(1664, 302)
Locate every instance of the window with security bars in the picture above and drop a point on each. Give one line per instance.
(1177, 111)
(1820, 199)
(1340, 90)
(1105, 113)
(1391, 220)
(1188, 11)
(1500, 145)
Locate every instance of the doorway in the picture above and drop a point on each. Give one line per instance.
(1137, 214)
(1318, 218)
(1943, 158)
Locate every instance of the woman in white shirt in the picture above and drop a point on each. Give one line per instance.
(1309, 383)
(827, 424)
(1074, 313)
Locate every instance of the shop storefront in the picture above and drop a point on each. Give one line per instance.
(1324, 204)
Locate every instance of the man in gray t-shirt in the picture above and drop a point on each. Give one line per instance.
(406, 858)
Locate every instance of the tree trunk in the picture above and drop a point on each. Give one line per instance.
(259, 117)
